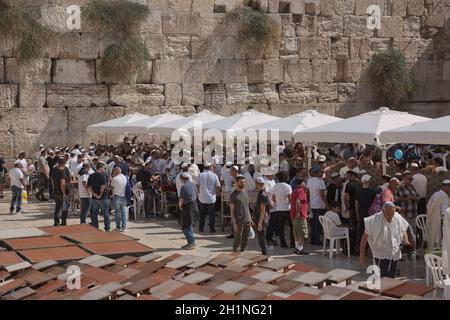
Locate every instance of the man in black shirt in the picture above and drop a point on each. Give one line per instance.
(262, 208)
(334, 191)
(351, 189)
(97, 187)
(52, 162)
(364, 199)
(60, 183)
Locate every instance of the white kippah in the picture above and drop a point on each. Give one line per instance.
(185, 175)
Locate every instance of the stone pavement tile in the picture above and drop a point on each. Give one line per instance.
(116, 248)
(302, 296)
(57, 254)
(11, 285)
(249, 294)
(36, 242)
(19, 294)
(8, 258)
(226, 296)
(97, 236)
(21, 233)
(70, 229)
(232, 287)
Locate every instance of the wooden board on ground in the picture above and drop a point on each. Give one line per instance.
(11, 285)
(36, 242)
(149, 257)
(117, 249)
(231, 287)
(45, 265)
(8, 258)
(267, 276)
(197, 277)
(96, 237)
(36, 278)
(60, 254)
(64, 230)
(249, 294)
(21, 233)
(19, 294)
(357, 296)
(180, 262)
(18, 266)
(408, 289)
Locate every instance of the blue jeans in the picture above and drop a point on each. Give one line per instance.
(85, 206)
(189, 234)
(102, 204)
(16, 198)
(120, 211)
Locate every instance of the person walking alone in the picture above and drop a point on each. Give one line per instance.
(240, 215)
(189, 209)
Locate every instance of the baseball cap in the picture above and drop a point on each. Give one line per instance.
(366, 178)
(260, 180)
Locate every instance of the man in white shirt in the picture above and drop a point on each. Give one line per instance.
(284, 164)
(385, 232)
(281, 196)
(420, 183)
(17, 186)
(209, 186)
(226, 177)
(352, 165)
(318, 203)
(83, 192)
(436, 208)
(119, 183)
(337, 230)
(75, 165)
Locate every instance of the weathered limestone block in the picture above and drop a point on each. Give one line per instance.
(435, 20)
(274, 6)
(354, 71)
(428, 91)
(179, 5)
(409, 47)
(356, 27)
(203, 6)
(347, 92)
(156, 45)
(263, 94)
(145, 75)
(289, 46)
(8, 46)
(153, 23)
(446, 71)
(182, 23)
(200, 71)
(234, 71)
(8, 96)
(308, 26)
(340, 48)
(54, 16)
(331, 26)
(360, 48)
(322, 70)
(2, 71)
(297, 71)
(312, 7)
(168, 71)
(412, 26)
(345, 7)
(316, 48)
(399, 7)
(287, 26)
(215, 95)
(158, 5)
(237, 93)
(173, 94)
(391, 27)
(211, 24)
(32, 96)
(147, 110)
(297, 6)
(328, 93)
(362, 5)
(265, 71)
(297, 93)
(327, 8)
(70, 45)
(185, 111)
(227, 5)
(69, 71)
(90, 46)
(36, 71)
(415, 7)
(139, 94)
(59, 95)
(193, 94)
(178, 47)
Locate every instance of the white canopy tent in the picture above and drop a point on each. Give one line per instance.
(116, 125)
(365, 129)
(435, 131)
(185, 125)
(146, 125)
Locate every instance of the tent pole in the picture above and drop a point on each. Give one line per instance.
(384, 158)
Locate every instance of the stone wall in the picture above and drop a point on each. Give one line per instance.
(198, 62)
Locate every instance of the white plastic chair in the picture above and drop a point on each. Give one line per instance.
(138, 203)
(421, 223)
(326, 225)
(434, 264)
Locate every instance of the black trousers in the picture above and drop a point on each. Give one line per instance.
(60, 210)
(388, 268)
(261, 236)
(272, 227)
(282, 218)
(207, 210)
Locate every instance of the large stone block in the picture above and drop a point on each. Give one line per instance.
(359, 48)
(215, 95)
(2, 70)
(308, 26)
(90, 46)
(298, 93)
(145, 75)
(345, 7)
(156, 45)
(347, 92)
(265, 71)
(237, 93)
(287, 26)
(203, 6)
(227, 5)
(327, 93)
(168, 71)
(409, 47)
(312, 7)
(193, 94)
(69, 45)
(297, 6)
(179, 5)
(178, 47)
(263, 94)
(153, 23)
(69, 71)
(185, 111)
(59, 95)
(327, 8)
(137, 95)
(356, 27)
(54, 16)
(173, 94)
(331, 26)
(316, 48)
(8, 96)
(36, 71)
(391, 27)
(32, 95)
(182, 23)
(297, 71)
(158, 5)
(399, 8)
(289, 46)
(415, 7)
(362, 5)
(322, 71)
(412, 26)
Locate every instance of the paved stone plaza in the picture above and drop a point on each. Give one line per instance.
(165, 236)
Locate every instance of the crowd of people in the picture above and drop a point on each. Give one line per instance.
(262, 201)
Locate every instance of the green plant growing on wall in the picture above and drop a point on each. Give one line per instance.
(32, 36)
(257, 28)
(121, 18)
(390, 77)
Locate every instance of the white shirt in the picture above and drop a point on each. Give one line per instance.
(227, 180)
(16, 174)
(249, 182)
(119, 184)
(335, 231)
(437, 197)
(24, 163)
(75, 167)
(314, 186)
(346, 169)
(82, 191)
(194, 171)
(208, 182)
(281, 191)
(384, 237)
(420, 183)
(284, 166)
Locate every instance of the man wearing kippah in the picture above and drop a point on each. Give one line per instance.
(385, 232)
(189, 209)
